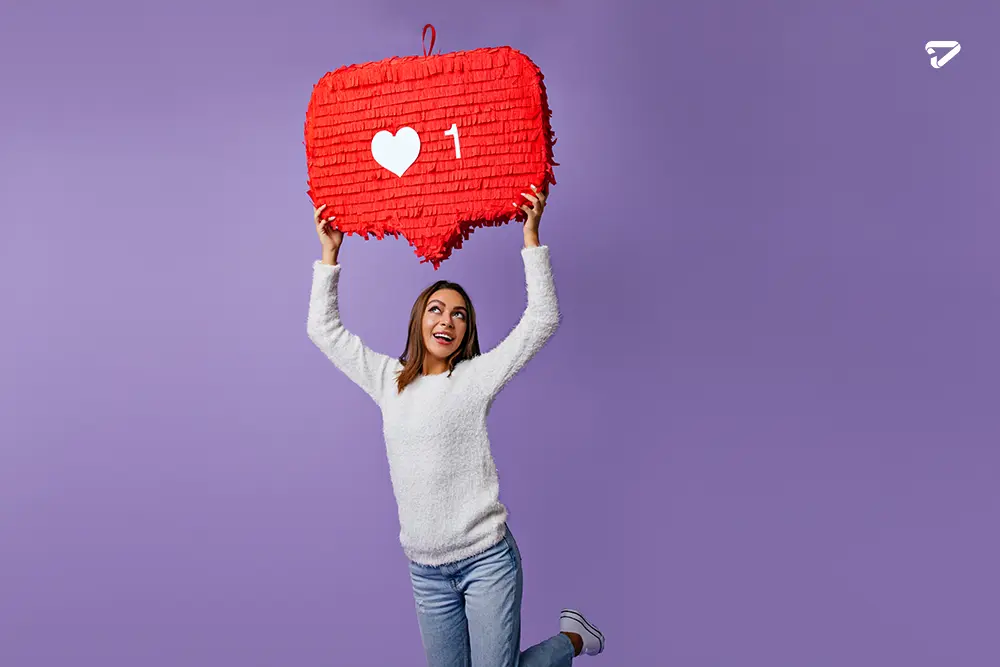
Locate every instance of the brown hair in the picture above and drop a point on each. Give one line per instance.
(413, 355)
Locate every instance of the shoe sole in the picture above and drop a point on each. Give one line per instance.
(578, 617)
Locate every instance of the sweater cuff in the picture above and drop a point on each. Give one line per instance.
(535, 258)
(321, 268)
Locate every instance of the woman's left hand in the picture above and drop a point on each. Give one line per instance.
(534, 214)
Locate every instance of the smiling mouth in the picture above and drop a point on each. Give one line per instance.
(443, 338)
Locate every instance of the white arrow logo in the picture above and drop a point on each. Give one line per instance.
(938, 64)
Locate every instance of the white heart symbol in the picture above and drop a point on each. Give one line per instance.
(396, 153)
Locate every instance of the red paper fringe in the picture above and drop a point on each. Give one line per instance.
(497, 99)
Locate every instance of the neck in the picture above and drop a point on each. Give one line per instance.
(434, 366)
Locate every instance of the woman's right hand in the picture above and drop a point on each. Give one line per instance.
(329, 236)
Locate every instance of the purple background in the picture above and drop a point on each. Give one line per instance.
(765, 435)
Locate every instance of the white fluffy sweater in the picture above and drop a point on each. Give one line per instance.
(443, 474)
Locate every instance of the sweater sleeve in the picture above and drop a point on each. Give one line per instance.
(538, 323)
(369, 370)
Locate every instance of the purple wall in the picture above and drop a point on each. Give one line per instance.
(765, 435)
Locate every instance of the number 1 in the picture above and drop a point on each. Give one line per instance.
(453, 132)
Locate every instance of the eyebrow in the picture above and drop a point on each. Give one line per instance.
(438, 301)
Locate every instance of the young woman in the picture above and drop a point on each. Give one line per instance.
(464, 563)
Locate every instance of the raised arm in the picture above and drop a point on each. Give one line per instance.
(368, 369)
(540, 318)
(538, 323)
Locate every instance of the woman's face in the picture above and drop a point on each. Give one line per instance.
(444, 323)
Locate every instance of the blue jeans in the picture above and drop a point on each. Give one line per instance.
(470, 613)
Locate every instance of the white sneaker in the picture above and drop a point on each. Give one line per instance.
(573, 621)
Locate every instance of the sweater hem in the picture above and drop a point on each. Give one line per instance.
(457, 556)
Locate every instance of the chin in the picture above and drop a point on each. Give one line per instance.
(439, 352)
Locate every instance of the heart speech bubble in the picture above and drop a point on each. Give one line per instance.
(429, 147)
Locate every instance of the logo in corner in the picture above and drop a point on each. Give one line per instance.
(939, 63)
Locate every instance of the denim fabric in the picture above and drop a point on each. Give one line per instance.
(470, 613)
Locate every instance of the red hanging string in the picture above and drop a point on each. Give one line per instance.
(423, 37)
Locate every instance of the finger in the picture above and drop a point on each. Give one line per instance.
(530, 198)
(527, 209)
(318, 211)
(542, 196)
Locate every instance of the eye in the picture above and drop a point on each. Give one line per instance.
(435, 309)
(460, 315)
